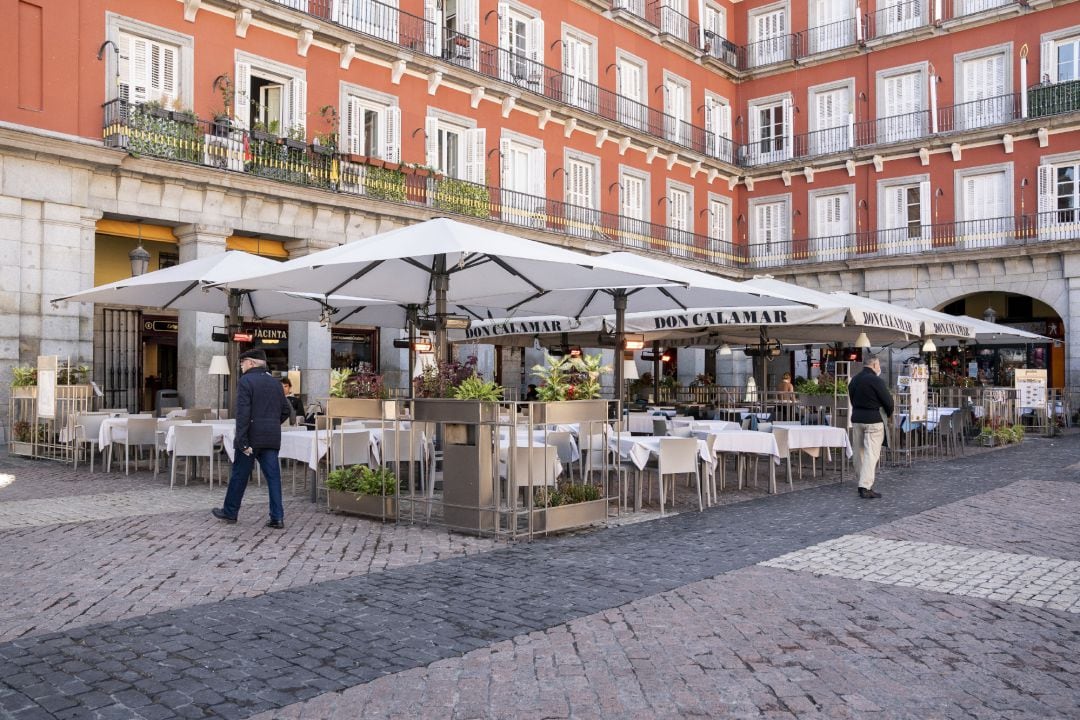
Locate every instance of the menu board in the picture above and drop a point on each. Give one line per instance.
(918, 389)
(46, 385)
(1030, 388)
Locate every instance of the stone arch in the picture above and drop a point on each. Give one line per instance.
(1048, 287)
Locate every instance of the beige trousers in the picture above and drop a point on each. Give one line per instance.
(866, 440)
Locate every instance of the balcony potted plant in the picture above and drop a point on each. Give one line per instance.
(362, 490)
(24, 381)
(326, 142)
(567, 506)
(223, 115)
(183, 115)
(295, 138)
(265, 131)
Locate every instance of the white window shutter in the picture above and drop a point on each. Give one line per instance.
(535, 41)
(725, 121)
(506, 164)
(570, 56)
(241, 95)
(924, 203)
(298, 105)
(894, 208)
(783, 212)
(789, 125)
(1047, 64)
(431, 142)
(1047, 192)
(354, 127)
(506, 25)
(139, 71)
(468, 17)
(475, 143)
(162, 73)
(392, 133)
(433, 27)
(538, 172)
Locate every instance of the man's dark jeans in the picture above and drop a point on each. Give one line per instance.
(238, 480)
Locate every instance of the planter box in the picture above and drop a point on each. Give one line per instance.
(323, 149)
(570, 411)
(565, 517)
(24, 391)
(264, 136)
(182, 116)
(383, 508)
(294, 144)
(361, 408)
(74, 392)
(471, 412)
(22, 448)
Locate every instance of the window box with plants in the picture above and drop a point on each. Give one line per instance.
(362, 490)
(265, 132)
(358, 394)
(566, 507)
(452, 392)
(813, 394)
(24, 381)
(325, 141)
(296, 138)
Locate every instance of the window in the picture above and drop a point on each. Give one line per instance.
(270, 96)
(454, 148)
(985, 207)
(523, 170)
(718, 128)
(770, 230)
(720, 224)
(895, 16)
(148, 70)
(453, 29)
(715, 24)
(372, 127)
(769, 37)
(579, 71)
(905, 215)
(831, 222)
(582, 174)
(1059, 59)
(674, 20)
(634, 207)
(1059, 192)
(831, 112)
(634, 7)
(900, 106)
(981, 92)
(378, 19)
(677, 109)
(521, 45)
(680, 207)
(770, 131)
(630, 80)
(832, 25)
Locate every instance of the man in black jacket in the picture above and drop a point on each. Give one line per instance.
(871, 403)
(261, 407)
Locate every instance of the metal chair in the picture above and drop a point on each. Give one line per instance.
(677, 456)
(141, 432)
(192, 440)
(85, 431)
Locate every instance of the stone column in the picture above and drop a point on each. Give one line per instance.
(309, 349)
(1071, 271)
(195, 347)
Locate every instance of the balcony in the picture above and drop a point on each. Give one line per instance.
(1054, 99)
(671, 22)
(894, 19)
(152, 132)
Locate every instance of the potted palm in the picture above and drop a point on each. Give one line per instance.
(569, 389)
(362, 490)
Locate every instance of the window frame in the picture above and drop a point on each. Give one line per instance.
(115, 24)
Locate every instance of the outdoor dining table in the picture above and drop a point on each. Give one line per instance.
(809, 439)
(642, 422)
(715, 426)
(115, 429)
(746, 442)
(638, 449)
(539, 439)
(221, 428)
(933, 416)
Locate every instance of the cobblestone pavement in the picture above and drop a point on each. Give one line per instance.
(672, 618)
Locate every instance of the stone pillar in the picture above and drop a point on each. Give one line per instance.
(309, 349)
(195, 347)
(1071, 271)
(512, 368)
(393, 362)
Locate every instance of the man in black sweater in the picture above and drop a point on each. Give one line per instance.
(261, 407)
(871, 404)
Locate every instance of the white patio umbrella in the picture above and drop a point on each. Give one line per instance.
(986, 333)
(441, 263)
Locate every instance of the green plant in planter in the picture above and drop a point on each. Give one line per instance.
(564, 494)
(1018, 433)
(552, 377)
(23, 376)
(338, 380)
(1003, 435)
(22, 431)
(362, 480)
(74, 375)
(365, 384)
(462, 197)
(383, 184)
(570, 378)
(477, 388)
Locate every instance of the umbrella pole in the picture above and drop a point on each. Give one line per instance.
(656, 371)
(763, 344)
(412, 354)
(442, 285)
(232, 323)
(620, 341)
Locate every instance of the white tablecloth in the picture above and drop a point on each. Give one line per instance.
(638, 449)
(715, 426)
(933, 415)
(810, 437)
(221, 428)
(539, 438)
(748, 441)
(642, 422)
(115, 430)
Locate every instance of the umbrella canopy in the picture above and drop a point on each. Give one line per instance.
(987, 333)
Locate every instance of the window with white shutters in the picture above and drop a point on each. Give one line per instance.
(905, 217)
(715, 24)
(895, 16)
(461, 28)
(718, 128)
(633, 208)
(521, 47)
(832, 25)
(829, 124)
(719, 224)
(982, 97)
(769, 232)
(579, 72)
(901, 115)
(986, 208)
(455, 149)
(1059, 194)
(770, 132)
(769, 42)
(830, 223)
(580, 193)
(1060, 60)
(630, 81)
(523, 171)
(149, 70)
(372, 128)
(680, 209)
(674, 19)
(677, 109)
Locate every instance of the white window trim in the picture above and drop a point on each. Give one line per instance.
(959, 211)
(1053, 37)
(765, 10)
(593, 160)
(723, 12)
(811, 205)
(813, 90)
(882, 185)
(923, 68)
(348, 90)
(689, 190)
(1071, 157)
(960, 58)
(529, 141)
(116, 24)
(266, 66)
(723, 200)
(626, 170)
(591, 40)
(629, 57)
(680, 80)
(751, 206)
(450, 118)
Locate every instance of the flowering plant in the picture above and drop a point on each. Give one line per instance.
(440, 380)
(570, 378)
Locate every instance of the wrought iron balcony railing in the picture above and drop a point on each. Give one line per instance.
(152, 132)
(895, 18)
(1054, 99)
